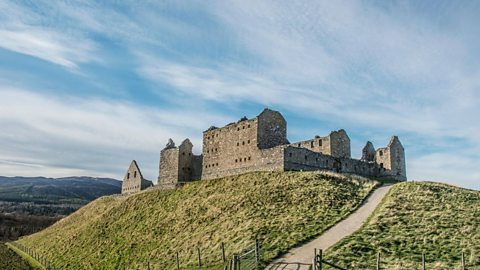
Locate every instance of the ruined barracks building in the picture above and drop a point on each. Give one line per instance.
(261, 144)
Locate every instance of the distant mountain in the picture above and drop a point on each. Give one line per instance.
(76, 190)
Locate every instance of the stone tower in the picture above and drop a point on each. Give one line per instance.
(178, 164)
(271, 129)
(391, 160)
(368, 152)
(133, 180)
(236, 147)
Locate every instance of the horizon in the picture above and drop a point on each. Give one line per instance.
(88, 87)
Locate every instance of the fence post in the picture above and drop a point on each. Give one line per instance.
(320, 259)
(234, 262)
(463, 261)
(423, 261)
(378, 260)
(178, 262)
(314, 262)
(257, 252)
(222, 246)
(199, 258)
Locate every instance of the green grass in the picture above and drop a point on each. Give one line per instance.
(281, 209)
(12, 258)
(439, 220)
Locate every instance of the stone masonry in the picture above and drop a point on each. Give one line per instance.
(260, 144)
(133, 180)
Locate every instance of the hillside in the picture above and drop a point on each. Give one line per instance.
(439, 220)
(78, 190)
(280, 209)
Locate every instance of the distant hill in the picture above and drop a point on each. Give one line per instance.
(29, 204)
(78, 189)
(281, 209)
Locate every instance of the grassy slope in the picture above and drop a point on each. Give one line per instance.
(281, 209)
(416, 217)
(11, 260)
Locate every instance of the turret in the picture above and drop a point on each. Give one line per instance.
(178, 164)
(391, 160)
(368, 152)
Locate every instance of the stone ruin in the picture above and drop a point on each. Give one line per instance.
(261, 144)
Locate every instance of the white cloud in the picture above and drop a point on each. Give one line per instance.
(48, 45)
(44, 133)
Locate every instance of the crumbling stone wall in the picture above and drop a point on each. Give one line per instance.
(302, 159)
(133, 180)
(178, 164)
(260, 144)
(272, 129)
(391, 160)
(336, 144)
(236, 147)
(168, 168)
(368, 152)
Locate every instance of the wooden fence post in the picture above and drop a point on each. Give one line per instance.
(423, 261)
(199, 258)
(222, 246)
(234, 262)
(378, 260)
(178, 262)
(257, 252)
(314, 262)
(463, 261)
(320, 259)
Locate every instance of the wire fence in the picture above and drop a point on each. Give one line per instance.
(248, 259)
(319, 263)
(39, 258)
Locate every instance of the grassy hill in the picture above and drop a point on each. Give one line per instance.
(439, 220)
(281, 209)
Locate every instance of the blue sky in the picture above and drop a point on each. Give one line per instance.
(86, 86)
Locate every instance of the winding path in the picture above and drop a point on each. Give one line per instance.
(301, 257)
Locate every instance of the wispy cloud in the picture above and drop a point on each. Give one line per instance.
(65, 133)
(48, 45)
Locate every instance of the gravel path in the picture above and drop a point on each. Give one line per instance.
(301, 257)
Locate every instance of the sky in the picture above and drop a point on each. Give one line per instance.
(87, 86)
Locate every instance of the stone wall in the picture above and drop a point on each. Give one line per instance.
(230, 148)
(340, 144)
(262, 160)
(336, 144)
(302, 159)
(168, 169)
(392, 160)
(272, 129)
(133, 180)
(260, 144)
(178, 164)
(368, 152)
